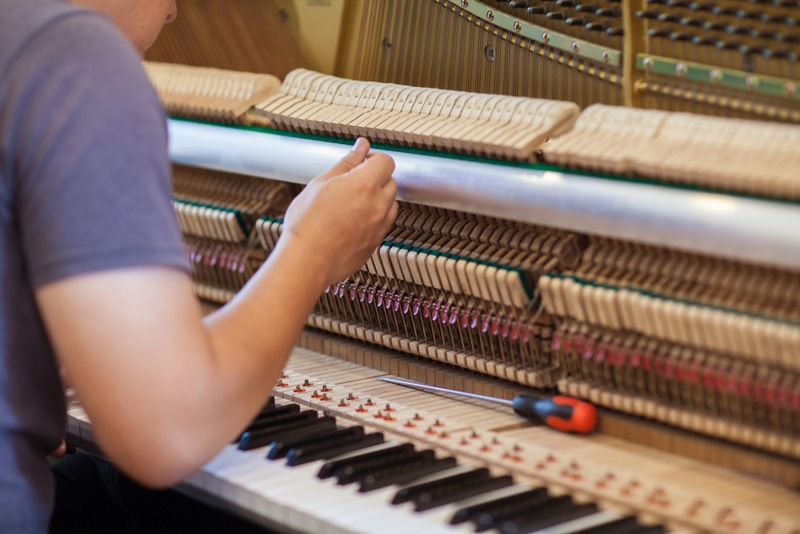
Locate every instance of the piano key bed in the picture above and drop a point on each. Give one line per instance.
(338, 451)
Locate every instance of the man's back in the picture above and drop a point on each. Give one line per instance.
(64, 211)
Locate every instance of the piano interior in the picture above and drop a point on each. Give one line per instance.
(599, 200)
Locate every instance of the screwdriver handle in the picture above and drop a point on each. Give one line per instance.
(566, 414)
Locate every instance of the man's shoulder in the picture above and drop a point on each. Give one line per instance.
(24, 22)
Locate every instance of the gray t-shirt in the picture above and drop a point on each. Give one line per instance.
(84, 187)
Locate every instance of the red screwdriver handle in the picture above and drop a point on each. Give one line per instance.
(582, 418)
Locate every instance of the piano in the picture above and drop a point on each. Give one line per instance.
(597, 200)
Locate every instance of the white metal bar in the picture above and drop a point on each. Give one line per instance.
(746, 229)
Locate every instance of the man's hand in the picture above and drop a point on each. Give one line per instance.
(166, 389)
(343, 215)
(63, 449)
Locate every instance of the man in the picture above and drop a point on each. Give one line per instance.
(92, 272)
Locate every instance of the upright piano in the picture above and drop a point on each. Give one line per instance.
(598, 201)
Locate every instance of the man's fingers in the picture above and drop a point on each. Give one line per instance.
(389, 190)
(378, 167)
(391, 216)
(60, 451)
(353, 159)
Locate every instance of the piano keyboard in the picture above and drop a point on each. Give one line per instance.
(455, 456)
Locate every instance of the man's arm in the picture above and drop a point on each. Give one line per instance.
(167, 390)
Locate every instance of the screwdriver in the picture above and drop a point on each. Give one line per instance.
(566, 414)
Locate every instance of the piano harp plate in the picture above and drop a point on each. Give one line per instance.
(617, 475)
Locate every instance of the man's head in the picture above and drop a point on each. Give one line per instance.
(140, 20)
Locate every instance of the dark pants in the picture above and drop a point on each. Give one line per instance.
(92, 496)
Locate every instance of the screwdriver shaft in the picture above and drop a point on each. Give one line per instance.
(417, 385)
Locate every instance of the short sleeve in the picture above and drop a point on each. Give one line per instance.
(92, 184)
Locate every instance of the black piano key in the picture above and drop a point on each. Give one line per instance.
(405, 472)
(268, 413)
(280, 418)
(472, 513)
(441, 496)
(316, 428)
(537, 520)
(624, 525)
(262, 438)
(280, 449)
(493, 518)
(360, 470)
(271, 410)
(323, 451)
(265, 435)
(413, 491)
(329, 469)
(655, 529)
